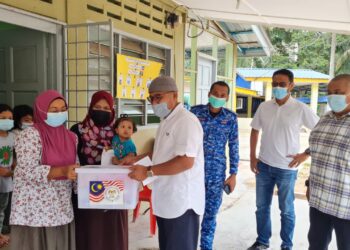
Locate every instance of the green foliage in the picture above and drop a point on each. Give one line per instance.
(299, 49)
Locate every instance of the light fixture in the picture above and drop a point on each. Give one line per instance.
(172, 20)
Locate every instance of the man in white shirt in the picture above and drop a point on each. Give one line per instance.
(280, 120)
(178, 193)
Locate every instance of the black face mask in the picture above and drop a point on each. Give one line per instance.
(100, 118)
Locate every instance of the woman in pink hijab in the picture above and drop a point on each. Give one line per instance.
(42, 213)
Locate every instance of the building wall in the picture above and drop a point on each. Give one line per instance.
(55, 9)
(212, 44)
(142, 19)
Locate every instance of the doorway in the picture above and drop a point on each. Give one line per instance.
(206, 75)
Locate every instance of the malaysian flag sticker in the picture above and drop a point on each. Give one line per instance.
(106, 192)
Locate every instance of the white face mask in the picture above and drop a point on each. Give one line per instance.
(161, 110)
(26, 125)
(337, 102)
(56, 119)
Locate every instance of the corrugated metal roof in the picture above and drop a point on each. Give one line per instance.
(307, 100)
(252, 40)
(268, 72)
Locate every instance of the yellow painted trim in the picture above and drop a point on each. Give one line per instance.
(268, 91)
(244, 91)
(249, 106)
(296, 80)
(314, 97)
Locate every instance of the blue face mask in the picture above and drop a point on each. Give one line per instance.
(216, 102)
(337, 102)
(161, 110)
(56, 119)
(279, 93)
(6, 124)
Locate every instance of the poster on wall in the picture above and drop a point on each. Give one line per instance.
(134, 75)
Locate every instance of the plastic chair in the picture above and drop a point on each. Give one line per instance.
(145, 195)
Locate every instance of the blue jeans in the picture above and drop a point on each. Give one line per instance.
(266, 180)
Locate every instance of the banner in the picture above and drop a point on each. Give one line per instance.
(134, 75)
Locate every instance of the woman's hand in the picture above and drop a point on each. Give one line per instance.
(70, 172)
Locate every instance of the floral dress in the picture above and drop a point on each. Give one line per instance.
(37, 201)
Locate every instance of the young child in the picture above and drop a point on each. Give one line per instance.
(23, 118)
(6, 163)
(122, 144)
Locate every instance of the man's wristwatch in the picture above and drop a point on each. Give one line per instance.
(307, 151)
(150, 172)
(307, 183)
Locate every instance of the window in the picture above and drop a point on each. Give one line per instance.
(140, 110)
(239, 103)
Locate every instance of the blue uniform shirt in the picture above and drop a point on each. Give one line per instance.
(218, 131)
(122, 149)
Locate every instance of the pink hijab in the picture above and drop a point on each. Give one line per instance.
(59, 144)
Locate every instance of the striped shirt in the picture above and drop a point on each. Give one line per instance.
(330, 166)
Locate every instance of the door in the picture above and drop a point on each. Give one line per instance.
(23, 65)
(205, 77)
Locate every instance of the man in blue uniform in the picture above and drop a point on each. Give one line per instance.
(219, 126)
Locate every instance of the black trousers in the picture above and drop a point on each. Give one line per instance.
(321, 228)
(180, 233)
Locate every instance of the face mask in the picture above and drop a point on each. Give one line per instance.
(216, 102)
(161, 110)
(56, 119)
(279, 93)
(26, 125)
(337, 102)
(6, 124)
(100, 118)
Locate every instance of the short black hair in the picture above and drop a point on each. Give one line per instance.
(285, 72)
(20, 111)
(123, 118)
(221, 83)
(4, 107)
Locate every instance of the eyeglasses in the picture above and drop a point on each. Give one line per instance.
(280, 84)
(156, 97)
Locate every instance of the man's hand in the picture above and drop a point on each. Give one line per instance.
(70, 172)
(254, 165)
(231, 181)
(308, 194)
(297, 159)
(138, 172)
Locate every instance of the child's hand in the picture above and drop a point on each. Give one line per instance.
(128, 160)
(6, 172)
(115, 161)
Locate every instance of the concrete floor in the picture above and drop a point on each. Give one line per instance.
(236, 226)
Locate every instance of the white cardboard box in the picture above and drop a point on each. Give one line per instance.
(106, 187)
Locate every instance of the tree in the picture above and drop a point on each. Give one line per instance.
(299, 49)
